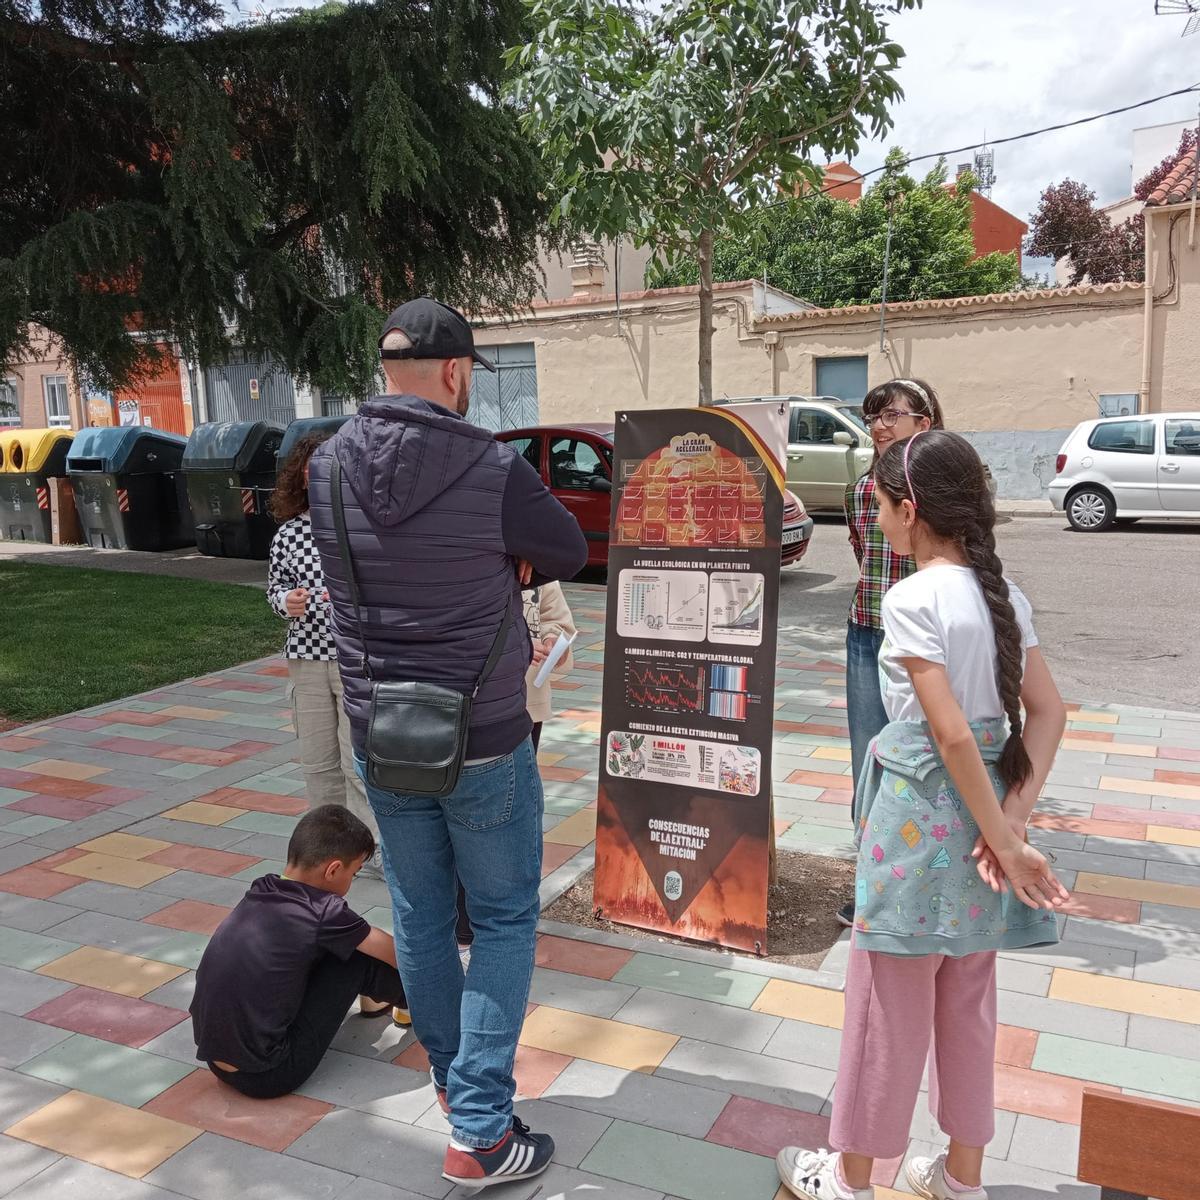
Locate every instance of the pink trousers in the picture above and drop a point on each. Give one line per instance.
(895, 1008)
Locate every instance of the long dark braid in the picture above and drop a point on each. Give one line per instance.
(946, 481)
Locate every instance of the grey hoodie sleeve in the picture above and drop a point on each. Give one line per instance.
(537, 528)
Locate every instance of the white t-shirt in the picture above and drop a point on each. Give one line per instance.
(939, 614)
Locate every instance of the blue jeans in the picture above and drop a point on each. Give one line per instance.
(865, 713)
(489, 831)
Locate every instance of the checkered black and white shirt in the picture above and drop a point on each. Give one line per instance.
(295, 563)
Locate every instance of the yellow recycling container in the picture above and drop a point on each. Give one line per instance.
(29, 459)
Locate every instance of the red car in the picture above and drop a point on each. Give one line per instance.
(575, 462)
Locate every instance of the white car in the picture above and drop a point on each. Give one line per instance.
(1117, 469)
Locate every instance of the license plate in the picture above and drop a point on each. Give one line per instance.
(791, 536)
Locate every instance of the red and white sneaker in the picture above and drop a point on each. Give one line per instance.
(443, 1102)
(519, 1154)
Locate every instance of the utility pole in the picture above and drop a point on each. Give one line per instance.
(887, 252)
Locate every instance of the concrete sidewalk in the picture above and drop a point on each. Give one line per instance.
(127, 832)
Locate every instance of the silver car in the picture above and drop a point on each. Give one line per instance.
(828, 448)
(1116, 470)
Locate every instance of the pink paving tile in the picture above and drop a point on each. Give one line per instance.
(16, 779)
(194, 754)
(205, 861)
(1103, 908)
(231, 797)
(83, 724)
(50, 785)
(842, 796)
(1052, 1097)
(192, 916)
(1130, 830)
(247, 747)
(811, 727)
(17, 745)
(56, 806)
(836, 704)
(554, 855)
(1179, 752)
(782, 825)
(36, 883)
(128, 745)
(1088, 735)
(1148, 816)
(820, 779)
(580, 958)
(535, 1070)
(202, 1101)
(1187, 777)
(106, 1015)
(761, 1128)
(413, 1057)
(111, 796)
(562, 774)
(279, 672)
(1015, 1046)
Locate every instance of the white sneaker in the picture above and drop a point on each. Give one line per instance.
(373, 867)
(812, 1175)
(927, 1177)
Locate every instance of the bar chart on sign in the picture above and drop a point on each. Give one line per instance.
(663, 605)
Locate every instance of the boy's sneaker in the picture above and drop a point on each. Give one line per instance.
(845, 915)
(813, 1175)
(519, 1154)
(927, 1177)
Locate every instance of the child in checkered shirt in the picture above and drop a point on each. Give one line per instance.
(296, 591)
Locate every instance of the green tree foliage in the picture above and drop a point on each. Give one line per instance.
(671, 124)
(830, 252)
(292, 179)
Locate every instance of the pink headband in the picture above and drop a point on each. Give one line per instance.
(907, 477)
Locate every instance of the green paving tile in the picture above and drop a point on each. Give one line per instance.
(680, 1166)
(141, 733)
(266, 867)
(272, 784)
(557, 806)
(185, 770)
(34, 824)
(11, 795)
(736, 988)
(183, 950)
(1119, 1066)
(249, 697)
(258, 822)
(118, 1073)
(14, 760)
(28, 951)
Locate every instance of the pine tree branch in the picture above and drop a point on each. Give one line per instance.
(125, 55)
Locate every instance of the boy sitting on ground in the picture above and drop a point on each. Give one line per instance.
(283, 969)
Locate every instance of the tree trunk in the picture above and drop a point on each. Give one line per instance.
(704, 258)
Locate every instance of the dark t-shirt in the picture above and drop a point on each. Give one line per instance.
(252, 978)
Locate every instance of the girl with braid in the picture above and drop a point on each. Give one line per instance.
(945, 875)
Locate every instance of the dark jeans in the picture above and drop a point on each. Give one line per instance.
(462, 929)
(332, 988)
(865, 713)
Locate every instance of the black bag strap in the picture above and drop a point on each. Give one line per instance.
(339, 525)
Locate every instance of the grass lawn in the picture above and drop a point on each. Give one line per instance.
(74, 637)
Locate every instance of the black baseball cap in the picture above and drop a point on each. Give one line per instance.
(436, 331)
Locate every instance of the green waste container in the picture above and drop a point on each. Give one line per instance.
(129, 488)
(29, 459)
(230, 468)
(302, 427)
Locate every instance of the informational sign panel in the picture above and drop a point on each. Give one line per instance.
(683, 828)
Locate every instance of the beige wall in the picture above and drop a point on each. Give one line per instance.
(46, 359)
(1033, 365)
(1037, 364)
(1175, 339)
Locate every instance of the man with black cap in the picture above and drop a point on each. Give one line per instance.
(441, 521)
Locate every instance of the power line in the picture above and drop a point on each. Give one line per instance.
(1015, 137)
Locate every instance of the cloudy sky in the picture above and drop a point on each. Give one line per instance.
(977, 68)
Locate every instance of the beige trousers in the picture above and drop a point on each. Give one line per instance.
(323, 731)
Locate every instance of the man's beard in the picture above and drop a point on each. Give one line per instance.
(464, 395)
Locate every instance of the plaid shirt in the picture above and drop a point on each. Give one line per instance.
(879, 565)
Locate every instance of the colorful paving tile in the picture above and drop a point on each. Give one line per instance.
(1111, 1007)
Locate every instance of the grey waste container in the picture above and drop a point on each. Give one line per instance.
(129, 489)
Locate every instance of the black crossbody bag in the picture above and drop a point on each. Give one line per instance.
(416, 732)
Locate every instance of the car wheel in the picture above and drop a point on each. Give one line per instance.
(1090, 510)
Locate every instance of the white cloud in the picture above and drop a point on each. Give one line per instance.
(991, 68)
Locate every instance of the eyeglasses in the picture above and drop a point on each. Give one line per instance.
(889, 416)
